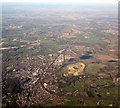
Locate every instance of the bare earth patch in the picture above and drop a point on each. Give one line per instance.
(75, 69)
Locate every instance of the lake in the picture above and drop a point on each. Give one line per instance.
(112, 61)
(84, 57)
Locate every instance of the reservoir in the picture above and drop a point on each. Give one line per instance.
(89, 52)
(112, 61)
(84, 57)
(72, 60)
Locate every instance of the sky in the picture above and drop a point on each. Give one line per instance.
(65, 1)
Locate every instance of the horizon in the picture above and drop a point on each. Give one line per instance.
(63, 1)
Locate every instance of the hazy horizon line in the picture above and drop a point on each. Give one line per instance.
(83, 3)
(63, 1)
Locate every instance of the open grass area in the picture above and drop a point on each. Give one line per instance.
(92, 68)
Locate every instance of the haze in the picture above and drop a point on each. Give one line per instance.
(65, 1)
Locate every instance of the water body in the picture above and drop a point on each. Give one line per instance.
(88, 52)
(72, 60)
(112, 61)
(84, 57)
(64, 65)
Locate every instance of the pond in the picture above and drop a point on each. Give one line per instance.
(88, 52)
(85, 57)
(112, 61)
(72, 60)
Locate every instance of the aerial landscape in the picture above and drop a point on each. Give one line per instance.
(59, 55)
